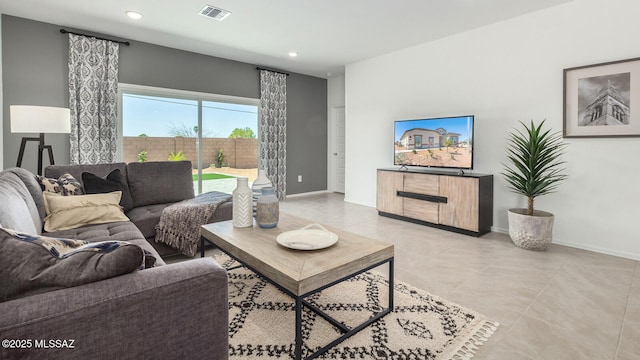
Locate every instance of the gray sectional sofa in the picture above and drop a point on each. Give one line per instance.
(153, 186)
(176, 311)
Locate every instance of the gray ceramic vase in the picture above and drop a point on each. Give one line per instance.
(268, 208)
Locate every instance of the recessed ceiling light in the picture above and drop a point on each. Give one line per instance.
(134, 15)
(293, 53)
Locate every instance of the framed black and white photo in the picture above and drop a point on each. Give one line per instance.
(602, 100)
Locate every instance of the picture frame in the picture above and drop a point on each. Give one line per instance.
(602, 100)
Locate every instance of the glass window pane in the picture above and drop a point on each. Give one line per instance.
(150, 125)
(229, 144)
(225, 118)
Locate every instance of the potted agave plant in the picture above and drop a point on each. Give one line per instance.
(534, 168)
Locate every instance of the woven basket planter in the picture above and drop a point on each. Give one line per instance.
(531, 232)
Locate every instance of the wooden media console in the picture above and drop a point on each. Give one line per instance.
(460, 203)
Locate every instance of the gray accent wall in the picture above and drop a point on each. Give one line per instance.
(306, 134)
(35, 72)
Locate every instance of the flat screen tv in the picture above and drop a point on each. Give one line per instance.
(445, 142)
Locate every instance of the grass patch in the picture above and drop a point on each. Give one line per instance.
(212, 176)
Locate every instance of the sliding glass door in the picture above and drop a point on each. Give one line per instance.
(218, 134)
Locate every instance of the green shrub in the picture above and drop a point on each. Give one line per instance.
(142, 156)
(179, 156)
(220, 158)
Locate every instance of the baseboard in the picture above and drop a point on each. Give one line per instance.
(499, 230)
(309, 193)
(580, 246)
(597, 249)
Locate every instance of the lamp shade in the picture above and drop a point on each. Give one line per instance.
(39, 119)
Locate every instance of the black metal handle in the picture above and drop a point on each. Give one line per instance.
(425, 197)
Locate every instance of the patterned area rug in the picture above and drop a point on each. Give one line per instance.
(422, 326)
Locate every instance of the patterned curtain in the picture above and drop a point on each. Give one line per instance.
(273, 129)
(93, 87)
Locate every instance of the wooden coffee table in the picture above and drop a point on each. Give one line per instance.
(302, 273)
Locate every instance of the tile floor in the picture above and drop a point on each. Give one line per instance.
(563, 303)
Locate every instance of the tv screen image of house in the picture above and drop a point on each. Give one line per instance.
(445, 142)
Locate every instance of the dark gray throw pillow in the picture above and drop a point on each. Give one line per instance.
(34, 264)
(115, 181)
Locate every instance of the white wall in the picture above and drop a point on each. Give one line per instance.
(504, 73)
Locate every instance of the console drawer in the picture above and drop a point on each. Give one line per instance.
(421, 210)
(422, 184)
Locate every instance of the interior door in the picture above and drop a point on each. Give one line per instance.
(339, 153)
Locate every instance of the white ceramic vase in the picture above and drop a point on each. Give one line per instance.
(261, 182)
(242, 209)
(531, 232)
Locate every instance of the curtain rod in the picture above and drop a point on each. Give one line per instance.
(276, 71)
(63, 31)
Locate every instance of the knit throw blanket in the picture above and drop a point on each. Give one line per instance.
(179, 225)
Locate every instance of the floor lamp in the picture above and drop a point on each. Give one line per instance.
(38, 119)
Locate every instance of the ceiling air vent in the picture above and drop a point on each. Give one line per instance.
(214, 12)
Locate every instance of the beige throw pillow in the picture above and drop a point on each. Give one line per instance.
(70, 212)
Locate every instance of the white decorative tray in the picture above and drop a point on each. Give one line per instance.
(307, 238)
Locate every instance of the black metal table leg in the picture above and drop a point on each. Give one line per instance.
(391, 275)
(298, 350)
(300, 303)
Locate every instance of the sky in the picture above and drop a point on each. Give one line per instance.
(156, 116)
(453, 124)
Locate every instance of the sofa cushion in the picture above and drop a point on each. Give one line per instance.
(77, 170)
(68, 212)
(18, 210)
(33, 264)
(115, 181)
(160, 182)
(32, 184)
(119, 231)
(147, 217)
(66, 185)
